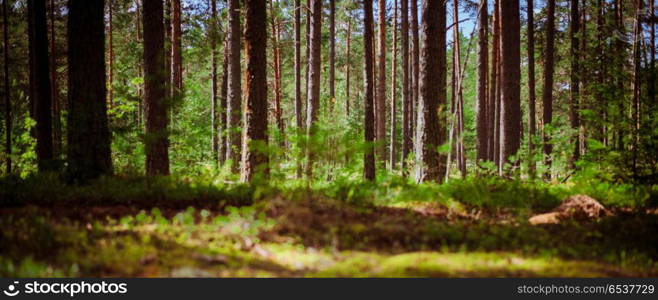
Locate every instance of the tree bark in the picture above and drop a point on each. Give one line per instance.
(369, 156)
(483, 60)
(234, 108)
(493, 88)
(176, 55)
(298, 78)
(461, 155)
(348, 64)
(276, 57)
(532, 98)
(8, 127)
(313, 98)
(332, 54)
(380, 126)
(155, 100)
(88, 135)
(547, 96)
(57, 122)
(406, 98)
(414, 62)
(574, 99)
(430, 165)
(110, 38)
(394, 86)
(652, 47)
(40, 83)
(255, 159)
(223, 100)
(215, 125)
(511, 96)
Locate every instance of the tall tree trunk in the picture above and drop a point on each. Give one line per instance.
(169, 87)
(406, 97)
(110, 38)
(213, 75)
(332, 53)
(637, 81)
(415, 67)
(176, 55)
(432, 93)
(57, 122)
(276, 57)
(461, 156)
(255, 161)
(348, 64)
(652, 47)
(223, 106)
(155, 100)
(380, 133)
(5, 38)
(574, 100)
(483, 60)
(298, 78)
(621, 120)
(493, 88)
(313, 99)
(140, 88)
(88, 135)
(511, 97)
(40, 83)
(394, 86)
(369, 157)
(547, 96)
(601, 106)
(532, 98)
(234, 109)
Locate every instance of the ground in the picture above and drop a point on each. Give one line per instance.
(357, 231)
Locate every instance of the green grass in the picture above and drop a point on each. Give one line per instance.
(392, 228)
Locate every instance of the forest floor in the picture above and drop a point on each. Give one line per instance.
(242, 232)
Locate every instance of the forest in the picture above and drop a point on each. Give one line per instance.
(328, 138)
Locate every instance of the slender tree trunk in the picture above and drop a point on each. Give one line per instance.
(601, 106)
(298, 78)
(369, 157)
(547, 96)
(432, 93)
(461, 157)
(88, 135)
(574, 105)
(415, 68)
(348, 64)
(140, 89)
(621, 121)
(637, 81)
(176, 55)
(234, 109)
(493, 90)
(169, 87)
(652, 47)
(156, 106)
(215, 132)
(57, 123)
(406, 97)
(380, 133)
(8, 127)
(40, 83)
(332, 53)
(483, 60)
(313, 99)
(255, 161)
(511, 96)
(532, 98)
(276, 57)
(394, 74)
(110, 38)
(223, 106)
